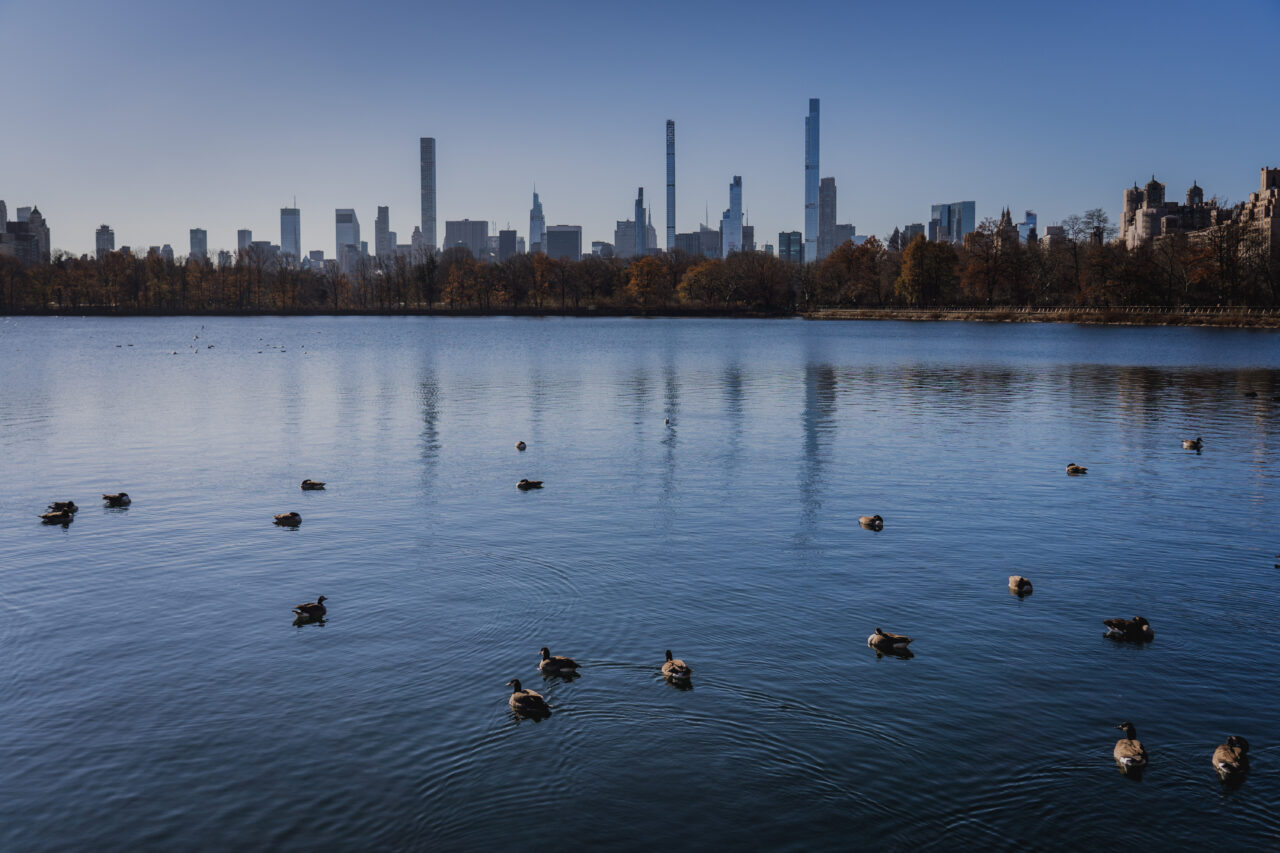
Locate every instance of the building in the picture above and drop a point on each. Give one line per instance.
(469, 234)
(601, 249)
(27, 238)
(1262, 212)
(383, 244)
(105, 241)
(166, 252)
(912, 231)
(224, 259)
(347, 241)
(537, 226)
(826, 218)
(641, 243)
(1147, 215)
(843, 234)
(427, 167)
(624, 238)
(949, 223)
(564, 242)
(748, 238)
(671, 185)
(506, 244)
(1054, 236)
(291, 234)
(811, 136)
(1027, 227)
(791, 246)
(731, 221)
(244, 238)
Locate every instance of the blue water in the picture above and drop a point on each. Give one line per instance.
(155, 695)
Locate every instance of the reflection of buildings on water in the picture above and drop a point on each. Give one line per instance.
(818, 419)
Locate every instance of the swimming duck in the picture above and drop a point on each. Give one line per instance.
(60, 506)
(311, 611)
(676, 669)
(1074, 469)
(1231, 759)
(1192, 444)
(1019, 585)
(526, 485)
(871, 522)
(58, 516)
(121, 499)
(527, 702)
(288, 519)
(1129, 753)
(886, 643)
(520, 445)
(1135, 630)
(312, 485)
(556, 664)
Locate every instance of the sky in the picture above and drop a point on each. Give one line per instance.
(157, 117)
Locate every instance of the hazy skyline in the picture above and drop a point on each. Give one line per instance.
(160, 117)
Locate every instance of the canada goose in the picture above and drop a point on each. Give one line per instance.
(1231, 759)
(676, 669)
(520, 445)
(289, 519)
(1074, 469)
(527, 702)
(1019, 585)
(1135, 630)
(1129, 753)
(1192, 444)
(60, 506)
(121, 499)
(886, 643)
(526, 485)
(312, 486)
(311, 611)
(871, 522)
(58, 516)
(556, 664)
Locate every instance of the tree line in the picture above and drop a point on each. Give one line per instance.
(1229, 265)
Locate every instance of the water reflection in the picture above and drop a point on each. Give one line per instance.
(818, 421)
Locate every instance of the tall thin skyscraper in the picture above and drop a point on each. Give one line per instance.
(671, 185)
(291, 233)
(826, 218)
(383, 248)
(731, 239)
(427, 157)
(537, 227)
(199, 243)
(641, 243)
(243, 238)
(105, 241)
(811, 136)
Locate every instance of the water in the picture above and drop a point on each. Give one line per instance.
(155, 695)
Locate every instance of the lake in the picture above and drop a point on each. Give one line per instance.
(703, 483)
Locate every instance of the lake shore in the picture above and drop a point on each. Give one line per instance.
(1236, 318)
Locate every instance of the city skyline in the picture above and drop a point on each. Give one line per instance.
(1048, 121)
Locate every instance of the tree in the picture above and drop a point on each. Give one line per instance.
(928, 271)
(646, 281)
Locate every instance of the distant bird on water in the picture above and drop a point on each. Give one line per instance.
(556, 664)
(1192, 444)
(1135, 630)
(676, 669)
(526, 485)
(1231, 759)
(58, 516)
(1251, 393)
(528, 703)
(312, 486)
(886, 643)
(121, 499)
(520, 445)
(871, 522)
(312, 611)
(288, 519)
(64, 506)
(1019, 585)
(1073, 469)
(1129, 754)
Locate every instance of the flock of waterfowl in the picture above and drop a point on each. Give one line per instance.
(64, 512)
(533, 705)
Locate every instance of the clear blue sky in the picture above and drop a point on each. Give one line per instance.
(155, 117)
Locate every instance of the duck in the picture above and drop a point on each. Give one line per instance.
(1135, 630)
(288, 519)
(311, 611)
(1251, 393)
(556, 664)
(527, 702)
(1074, 469)
(312, 485)
(871, 522)
(526, 485)
(1192, 443)
(886, 643)
(58, 516)
(1231, 759)
(676, 669)
(520, 445)
(1019, 585)
(1129, 753)
(121, 499)
(69, 506)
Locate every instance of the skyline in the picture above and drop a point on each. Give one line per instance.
(1054, 126)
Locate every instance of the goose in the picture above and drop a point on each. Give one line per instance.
(311, 611)
(1192, 444)
(312, 486)
(526, 485)
(520, 445)
(121, 499)
(886, 643)
(556, 664)
(1129, 753)
(1019, 585)
(61, 506)
(1074, 469)
(288, 519)
(58, 516)
(676, 669)
(871, 522)
(528, 702)
(1135, 630)
(1231, 759)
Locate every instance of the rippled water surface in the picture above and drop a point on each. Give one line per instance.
(155, 695)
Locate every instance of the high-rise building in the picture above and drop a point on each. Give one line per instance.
(470, 234)
(427, 164)
(811, 136)
(166, 252)
(537, 226)
(949, 223)
(105, 240)
(244, 239)
(826, 218)
(843, 234)
(748, 238)
(564, 242)
(641, 244)
(199, 244)
(791, 246)
(506, 244)
(731, 222)
(383, 246)
(671, 185)
(1027, 227)
(347, 238)
(624, 238)
(291, 234)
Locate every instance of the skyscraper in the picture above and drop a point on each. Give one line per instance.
(383, 248)
(826, 217)
(537, 226)
(671, 185)
(291, 234)
(244, 238)
(199, 244)
(949, 223)
(506, 244)
(642, 247)
(347, 237)
(105, 241)
(791, 246)
(732, 221)
(427, 162)
(468, 233)
(811, 136)
(564, 242)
